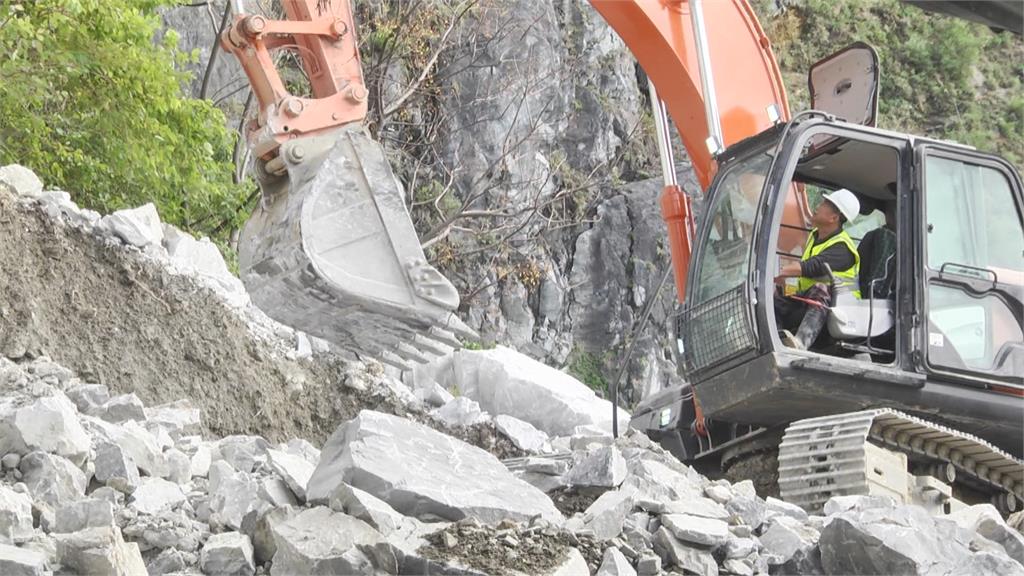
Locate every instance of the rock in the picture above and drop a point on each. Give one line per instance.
(739, 547)
(294, 470)
(696, 506)
(143, 447)
(99, 551)
(648, 565)
(49, 424)
(88, 396)
(300, 447)
(522, 434)
(10, 461)
(198, 256)
(434, 395)
(15, 516)
(839, 504)
(156, 494)
(506, 382)
(138, 227)
(52, 479)
(738, 567)
(23, 181)
(696, 530)
(263, 540)
(788, 539)
(115, 468)
(419, 471)
(573, 565)
(719, 494)
(242, 452)
(20, 561)
(364, 506)
(460, 411)
(107, 493)
(277, 493)
(120, 409)
(178, 466)
(170, 561)
(200, 462)
(750, 511)
(232, 495)
(988, 564)
(547, 466)
(166, 529)
(178, 417)
(228, 554)
(88, 513)
(785, 508)
(607, 515)
(657, 482)
(897, 540)
(693, 560)
(615, 564)
(320, 541)
(986, 521)
(604, 467)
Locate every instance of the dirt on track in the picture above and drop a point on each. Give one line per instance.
(126, 322)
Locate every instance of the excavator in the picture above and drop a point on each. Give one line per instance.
(916, 388)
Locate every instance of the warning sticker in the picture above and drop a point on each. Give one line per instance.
(936, 339)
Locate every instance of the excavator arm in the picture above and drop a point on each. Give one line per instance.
(331, 249)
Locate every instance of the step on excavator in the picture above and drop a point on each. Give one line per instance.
(914, 390)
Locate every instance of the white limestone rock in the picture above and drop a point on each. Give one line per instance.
(241, 452)
(607, 515)
(321, 541)
(419, 471)
(155, 495)
(178, 418)
(228, 554)
(604, 467)
(88, 396)
(370, 509)
(121, 409)
(688, 558)
(138, 227)
(615, 564)
(49, 424)
(504, 381)
(294, 470)
(52, 479)
(16, 561)
(703, 531)
(23, 181)
(276, 493)
(15, 516)
(99, 551)
(460, 411)
(115, 468)
(522, 434)
(88, 513)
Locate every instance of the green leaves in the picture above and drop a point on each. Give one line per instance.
(91, 103)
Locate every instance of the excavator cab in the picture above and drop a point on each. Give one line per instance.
(937, 332)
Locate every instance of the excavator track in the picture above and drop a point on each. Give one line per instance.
(840, 455)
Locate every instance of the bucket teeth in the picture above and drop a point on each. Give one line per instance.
(392, 359)
(408, 352)
(433, 346)
(444, 337)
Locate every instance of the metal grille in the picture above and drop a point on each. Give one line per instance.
(716, 330)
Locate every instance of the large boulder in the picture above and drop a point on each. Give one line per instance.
(504, 381)
(136, 226)
(49, 424)
(892, 540)
(99, 551)
(15, 516)
(421, 472)
(21, 562)
(53, 479)
(228, 554)
(321, 541)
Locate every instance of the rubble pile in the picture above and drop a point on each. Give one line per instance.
(99, 481)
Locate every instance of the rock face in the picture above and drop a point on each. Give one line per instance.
(503, 381)
(420, 472)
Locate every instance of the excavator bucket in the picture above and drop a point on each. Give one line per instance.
(332, 251)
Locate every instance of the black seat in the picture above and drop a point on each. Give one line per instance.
(876, 249)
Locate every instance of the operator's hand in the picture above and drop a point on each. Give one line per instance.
(791, 270)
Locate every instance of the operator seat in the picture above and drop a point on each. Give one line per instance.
(852, 318)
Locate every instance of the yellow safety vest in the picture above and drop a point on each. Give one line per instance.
(849, 278)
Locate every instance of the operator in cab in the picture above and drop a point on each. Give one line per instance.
(828, 247)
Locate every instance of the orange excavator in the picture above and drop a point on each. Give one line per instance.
(915, 390)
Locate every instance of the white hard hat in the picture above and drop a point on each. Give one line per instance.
(846, 202)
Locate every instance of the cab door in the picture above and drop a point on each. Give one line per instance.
(971, 257)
